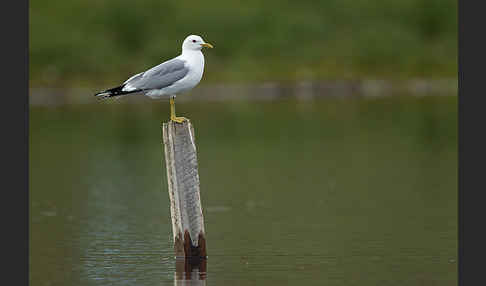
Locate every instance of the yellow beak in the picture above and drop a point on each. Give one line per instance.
(207, 45)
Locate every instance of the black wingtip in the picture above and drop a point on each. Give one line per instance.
(110, 92)
(113, 92)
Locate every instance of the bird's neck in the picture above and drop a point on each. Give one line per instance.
(192, 53)
(194, 58)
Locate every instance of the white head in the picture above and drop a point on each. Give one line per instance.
(195, 43)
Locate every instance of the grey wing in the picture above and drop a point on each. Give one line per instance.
(158, 77)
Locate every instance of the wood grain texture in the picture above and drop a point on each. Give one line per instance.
(183, 181)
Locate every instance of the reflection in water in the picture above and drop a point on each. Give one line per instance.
(326, 192)
(190, 271)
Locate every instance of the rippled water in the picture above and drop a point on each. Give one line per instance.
(324, 192)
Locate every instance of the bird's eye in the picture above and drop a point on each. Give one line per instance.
(193, 41)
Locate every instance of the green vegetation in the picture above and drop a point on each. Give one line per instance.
(98, 42)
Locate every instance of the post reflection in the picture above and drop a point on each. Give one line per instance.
(190, 271)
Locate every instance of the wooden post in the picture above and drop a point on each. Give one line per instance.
(185, 270)
(183, 179)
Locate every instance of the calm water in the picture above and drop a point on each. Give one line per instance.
(333, 191)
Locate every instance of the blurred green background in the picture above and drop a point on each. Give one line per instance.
(100, 42)
(326, 135)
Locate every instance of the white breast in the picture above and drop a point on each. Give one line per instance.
(195, 63)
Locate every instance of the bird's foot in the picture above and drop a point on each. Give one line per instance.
(178, 119)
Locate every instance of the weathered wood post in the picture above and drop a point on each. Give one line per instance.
(183, 180)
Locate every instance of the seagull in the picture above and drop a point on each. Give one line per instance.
(169, 78)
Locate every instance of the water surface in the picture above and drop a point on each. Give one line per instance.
(331, 191)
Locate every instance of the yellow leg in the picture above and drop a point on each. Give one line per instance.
(172, 112)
